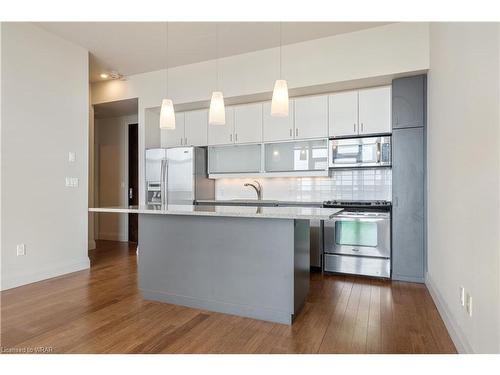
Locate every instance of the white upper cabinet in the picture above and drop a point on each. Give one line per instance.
(174, 137)
(375, 110)
(278, 128)
(222, 134)
(195, 128)
(311, 117)
(343, 114)
(248, 123)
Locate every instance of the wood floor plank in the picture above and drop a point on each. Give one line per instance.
(388, 328)
(331, 337)
(360, 333)
(101, 311)
(374, 334)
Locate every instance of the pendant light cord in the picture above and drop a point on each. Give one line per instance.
(281, 47)
(217, 56)
(166, 62)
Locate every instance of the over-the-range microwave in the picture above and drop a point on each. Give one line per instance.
(360, 152)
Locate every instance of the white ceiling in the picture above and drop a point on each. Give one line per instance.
(138, 47)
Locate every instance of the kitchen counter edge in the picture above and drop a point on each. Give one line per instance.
(290, 213)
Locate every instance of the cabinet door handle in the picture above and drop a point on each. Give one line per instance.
(230, 137)
(296, 132)
(181, 140)
(236, 137)
(362, 128)
(186, 140)
(354, 128)
(290, 132)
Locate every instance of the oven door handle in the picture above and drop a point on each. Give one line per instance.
(358, 218)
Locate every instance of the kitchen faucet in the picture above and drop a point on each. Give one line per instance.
(258, 188)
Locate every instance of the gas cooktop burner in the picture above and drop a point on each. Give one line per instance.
(360, 203)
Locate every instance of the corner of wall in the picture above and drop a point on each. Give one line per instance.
(1, 169)
(457, 335)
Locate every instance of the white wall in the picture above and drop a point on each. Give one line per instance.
(111, 155)
(386, 50)
(362, 58)
(1, 169)
(463, 180)
(152, 131)
(44, 115)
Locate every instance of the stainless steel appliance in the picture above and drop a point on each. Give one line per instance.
(358, 239)
(360, 152)
(177, 176)
(380, 204)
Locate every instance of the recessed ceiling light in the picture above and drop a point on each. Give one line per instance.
(104, 75)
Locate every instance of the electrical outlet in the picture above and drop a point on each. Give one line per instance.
(468, 304)
(72, 182)
(462, 296)
(71, 157)
(21, 249)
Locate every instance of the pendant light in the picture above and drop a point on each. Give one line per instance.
(167, 113)
(217, 112)
(279, 104)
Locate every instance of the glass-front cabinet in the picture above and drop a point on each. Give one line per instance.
(296, 156)
(234, 159)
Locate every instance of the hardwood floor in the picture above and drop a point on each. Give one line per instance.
(101, 311)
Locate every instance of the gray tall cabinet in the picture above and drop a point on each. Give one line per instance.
(408, 178)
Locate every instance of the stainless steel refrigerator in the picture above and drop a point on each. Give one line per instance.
(177, 176)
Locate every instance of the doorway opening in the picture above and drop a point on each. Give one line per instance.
(114, 170)
(133, 180)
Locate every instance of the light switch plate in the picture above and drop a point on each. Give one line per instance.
(72, 182)
(21, 249)
(468, 304)
(71, 157)
(462, 296)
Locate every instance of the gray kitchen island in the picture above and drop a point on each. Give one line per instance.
(246, 261)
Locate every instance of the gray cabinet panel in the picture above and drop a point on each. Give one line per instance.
(408, 204)
(408, 102)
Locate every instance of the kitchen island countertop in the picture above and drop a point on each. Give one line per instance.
(302, 213)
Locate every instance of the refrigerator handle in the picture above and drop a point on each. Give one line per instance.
(163, 182)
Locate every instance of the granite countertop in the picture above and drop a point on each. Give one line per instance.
(308, 213)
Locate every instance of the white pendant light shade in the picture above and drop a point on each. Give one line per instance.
(217, 113)
(167, 115)
(279, 104)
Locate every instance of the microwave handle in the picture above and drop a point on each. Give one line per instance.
(379, 152)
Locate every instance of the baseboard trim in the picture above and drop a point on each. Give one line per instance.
(456, 334)
(420, 280)
(44, 274)
(113, 236)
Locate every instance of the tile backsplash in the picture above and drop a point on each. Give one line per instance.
(373, 184)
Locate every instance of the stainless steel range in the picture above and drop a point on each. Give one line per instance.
(358, 239)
